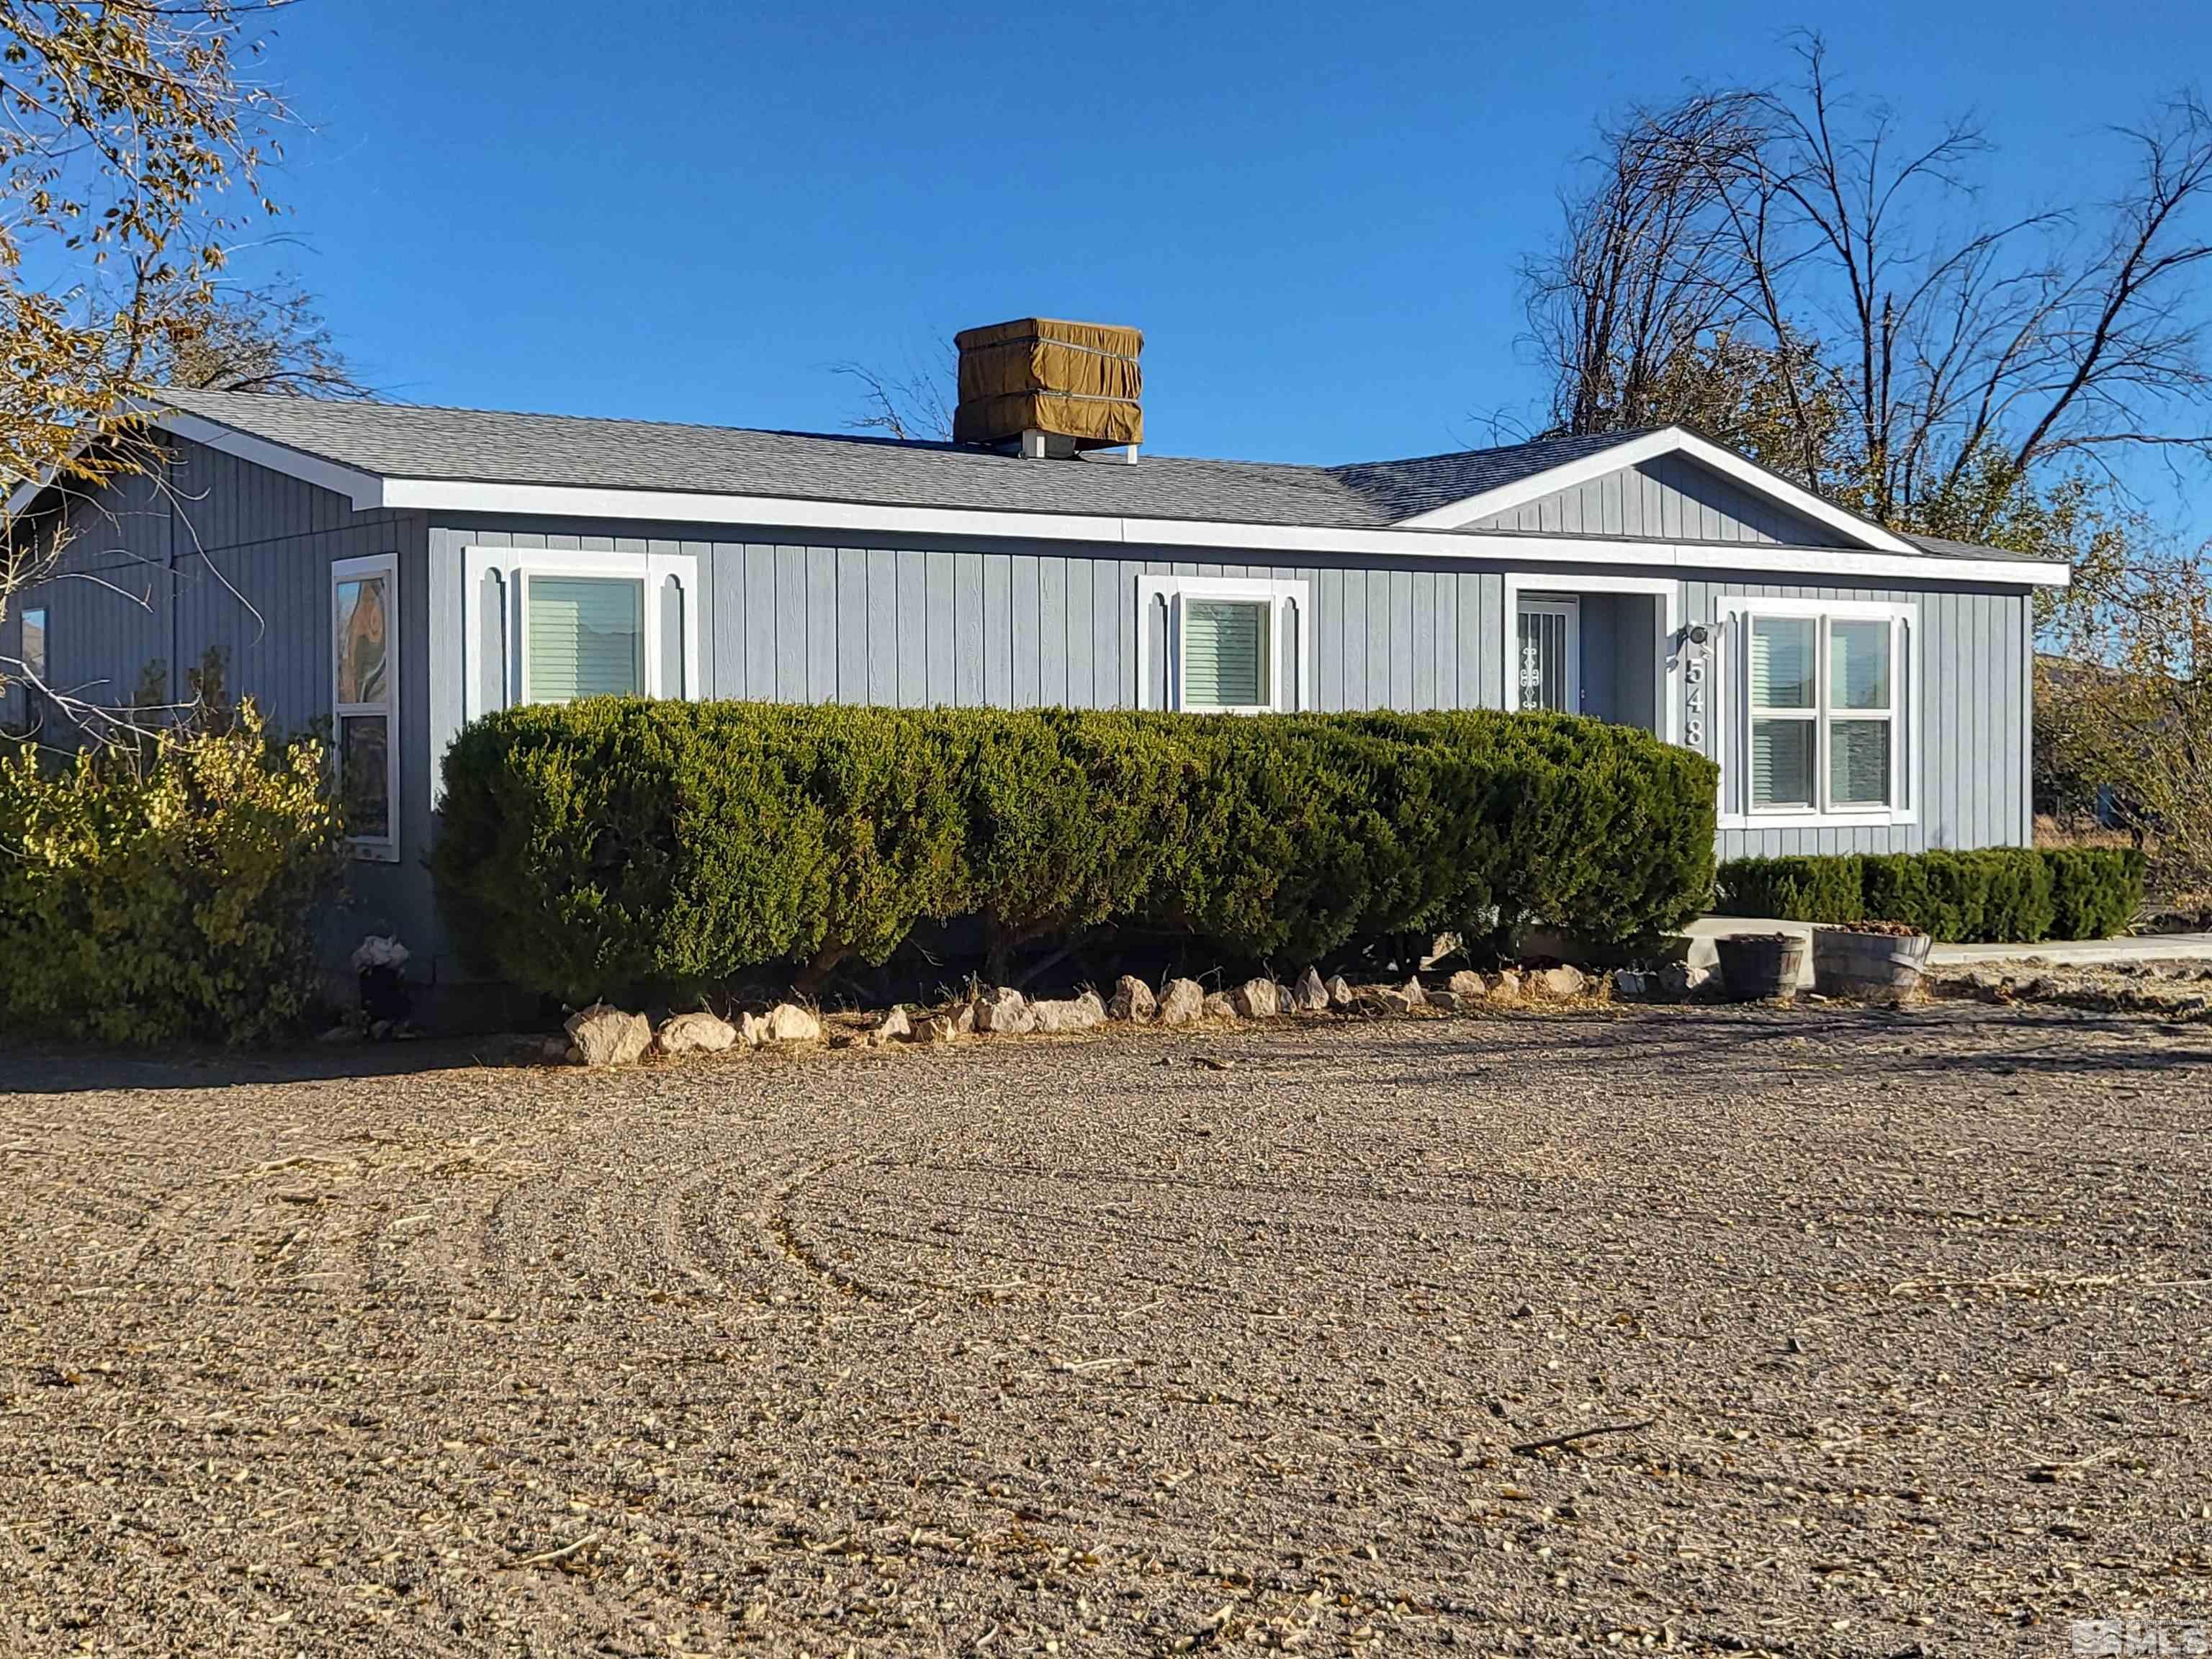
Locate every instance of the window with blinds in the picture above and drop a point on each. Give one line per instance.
(582, 636)
(1823, 701)
(1223, 655)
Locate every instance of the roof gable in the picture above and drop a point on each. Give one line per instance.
(1677, 458)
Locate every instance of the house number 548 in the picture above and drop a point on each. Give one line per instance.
(1693, 674)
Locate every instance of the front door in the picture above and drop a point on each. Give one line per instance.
(1551, 667)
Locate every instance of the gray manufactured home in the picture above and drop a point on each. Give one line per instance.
(397, 571)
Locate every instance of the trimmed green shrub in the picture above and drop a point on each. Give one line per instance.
(2096, 891)
(168, 892)
(2006, 894)
(1794, 888)
(610, 844)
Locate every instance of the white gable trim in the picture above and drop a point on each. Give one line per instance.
(1672, 440)
(365, 491)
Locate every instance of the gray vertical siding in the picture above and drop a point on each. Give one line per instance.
(232, 558)
(1013, 627)
(1671, 498)
(1976, 657)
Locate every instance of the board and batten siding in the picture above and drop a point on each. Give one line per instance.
(916, 626)
(1973, 725)
(1024, 626)
(236, 558)
(1668, 498)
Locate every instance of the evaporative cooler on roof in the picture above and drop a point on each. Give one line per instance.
(1077, 384)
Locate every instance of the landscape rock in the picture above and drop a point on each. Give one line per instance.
(1004, 1011)
(1632, 983)
(789, 1022)
(937, 1028)
(1447, 998)
(1340, 993)
(1415, 995)
(1310, 995)
(1557, 984)
(1219, 1006)
(1132, 1000)
(1256, 999)
(1466, 985)
(1386, 1001)
(893, 1027)
(752, 1030)
(1507, 988)
(1678, 980)
(1073, 1014)
(698, 1032)
(1182, 1001)
(600, 1035)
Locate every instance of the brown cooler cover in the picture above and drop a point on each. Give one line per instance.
(1079, 380)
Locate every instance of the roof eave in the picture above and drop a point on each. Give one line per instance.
(437, 495)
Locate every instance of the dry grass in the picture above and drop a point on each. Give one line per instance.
(1895, 1324)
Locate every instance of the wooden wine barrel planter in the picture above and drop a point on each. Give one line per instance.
(1848, 963)
(1760, 967)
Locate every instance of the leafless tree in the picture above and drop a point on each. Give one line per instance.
(910, 405)
(1924, 361)
(272, 339)
(1646, 266)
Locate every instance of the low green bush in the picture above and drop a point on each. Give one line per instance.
(2013, 894)
(607, 845)
(1793, 888)
(2096, 891)
(168, 892)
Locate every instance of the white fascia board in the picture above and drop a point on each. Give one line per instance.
(364, 489)
(771, 512)
(1669, 441)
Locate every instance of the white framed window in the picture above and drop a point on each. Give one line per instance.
(33, 651)
(365, 700)
(551, 625)
(1825, 713)
(1223, 645)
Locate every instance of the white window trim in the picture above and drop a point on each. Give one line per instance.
(385, 849)
(1905, 723)
(517, 564)
(1665, 653)
(1290, 684)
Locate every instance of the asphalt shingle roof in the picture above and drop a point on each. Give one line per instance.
(480, 445)
(408, 440)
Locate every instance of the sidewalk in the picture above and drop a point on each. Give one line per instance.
(2056, 952)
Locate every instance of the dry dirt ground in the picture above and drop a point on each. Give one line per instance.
(1897, 1323)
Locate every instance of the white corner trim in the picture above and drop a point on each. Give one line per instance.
(1573, 584)
(1274, 592)
(515, 564)
(1669, 441)
(1908, 771)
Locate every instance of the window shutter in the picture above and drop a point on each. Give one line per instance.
(582, 638)
(1222, 655)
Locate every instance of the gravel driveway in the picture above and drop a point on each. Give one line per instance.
(1894, 1325)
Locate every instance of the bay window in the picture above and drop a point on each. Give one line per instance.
(1823, 713)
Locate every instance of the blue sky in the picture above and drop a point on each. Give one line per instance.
(693, 210)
